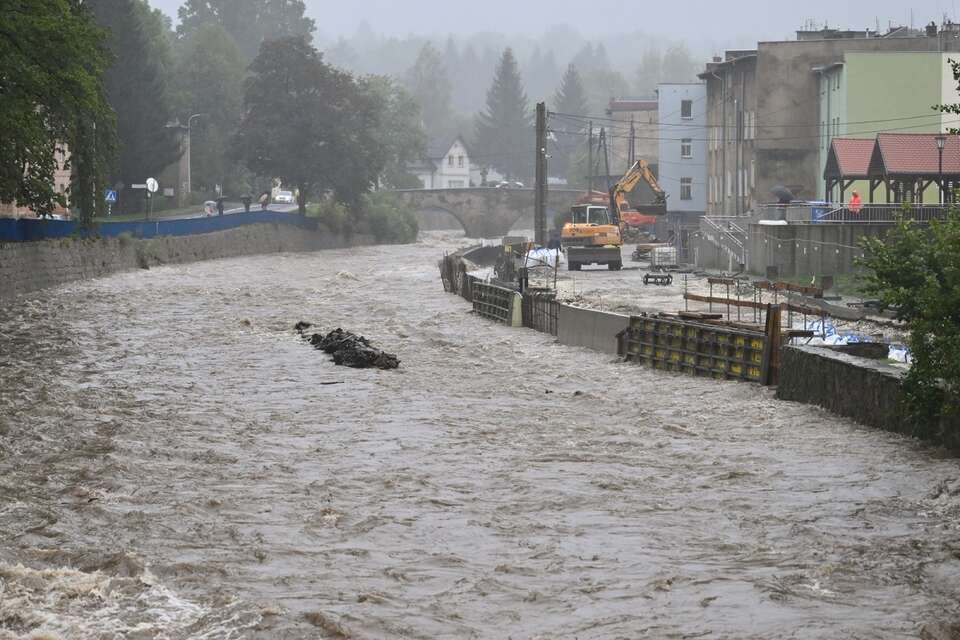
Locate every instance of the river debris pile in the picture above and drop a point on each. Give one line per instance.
(348, 349)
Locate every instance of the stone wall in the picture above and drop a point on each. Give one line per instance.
(30, 266)
(867, 391)
(810, 249)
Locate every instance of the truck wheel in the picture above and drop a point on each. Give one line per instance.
(573, 266)
(615, 266)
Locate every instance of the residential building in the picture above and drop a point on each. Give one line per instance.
(856, 101)
(636, 116)
(682, 154)
(763, 112)
(446, 166)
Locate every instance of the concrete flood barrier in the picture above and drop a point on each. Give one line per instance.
(589, 328)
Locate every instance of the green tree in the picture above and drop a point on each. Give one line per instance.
(429, 84)
(504, 130)
(137, 87)
(250, 22)
(916, 271)
(209, 79)
(399, 131)
(571, 99)
(52, 57)
(309, 124)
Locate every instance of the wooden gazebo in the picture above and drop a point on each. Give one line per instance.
(906, 165)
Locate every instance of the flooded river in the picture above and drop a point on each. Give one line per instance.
(172, 466)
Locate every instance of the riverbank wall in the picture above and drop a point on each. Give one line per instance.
(864, 390)
(31, 266)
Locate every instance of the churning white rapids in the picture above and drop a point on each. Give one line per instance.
(172, 466)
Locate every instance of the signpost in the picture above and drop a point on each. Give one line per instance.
(110, 197)
(151, 186)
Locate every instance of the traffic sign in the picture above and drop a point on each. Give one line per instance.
(138, 186)
(110, 196)
(152, 185)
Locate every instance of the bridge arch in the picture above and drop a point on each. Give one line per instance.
(485, 212)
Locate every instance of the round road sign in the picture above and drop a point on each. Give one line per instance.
(152, 185)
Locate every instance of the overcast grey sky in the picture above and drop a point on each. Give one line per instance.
(702, 23)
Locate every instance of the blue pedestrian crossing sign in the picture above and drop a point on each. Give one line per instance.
(110, 195)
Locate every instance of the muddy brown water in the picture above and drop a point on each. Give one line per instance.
(172, 467)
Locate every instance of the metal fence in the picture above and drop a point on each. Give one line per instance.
(32, 229)
(493, 302)
(541, 310)
(882, 214)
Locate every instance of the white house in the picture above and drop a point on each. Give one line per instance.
(447, 166)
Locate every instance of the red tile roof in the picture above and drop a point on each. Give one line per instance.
(850, 157)
(914, 154)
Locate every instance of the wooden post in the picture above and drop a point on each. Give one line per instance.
(770, 371)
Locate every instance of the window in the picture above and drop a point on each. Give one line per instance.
(686, 188)
(686, 148)
(460, 161)
(455, 184)
(450, 160)
(686, 109)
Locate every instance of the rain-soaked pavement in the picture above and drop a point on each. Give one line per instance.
(172, 466)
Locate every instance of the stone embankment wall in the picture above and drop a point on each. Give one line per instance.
(865, 390)
(30, 266)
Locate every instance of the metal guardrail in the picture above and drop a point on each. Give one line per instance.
(882, 214)
(541, 311)
(727, 235)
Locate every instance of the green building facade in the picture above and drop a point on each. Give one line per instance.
(874, 92)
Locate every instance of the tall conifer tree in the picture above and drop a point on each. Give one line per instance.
(504, 130)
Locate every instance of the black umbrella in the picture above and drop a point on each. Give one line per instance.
(783, 195)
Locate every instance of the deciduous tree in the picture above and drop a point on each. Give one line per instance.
(52, 61)
(138, 89)
(250, 22)
(310, 125)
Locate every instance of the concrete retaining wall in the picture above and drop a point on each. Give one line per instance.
(589, 328)
(809, 249)
(26, 267)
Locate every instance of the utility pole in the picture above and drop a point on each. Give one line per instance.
(590, 159)
(632, 150)
(540, 193)
(606, 157)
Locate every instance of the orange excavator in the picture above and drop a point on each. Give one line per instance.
(599, 222)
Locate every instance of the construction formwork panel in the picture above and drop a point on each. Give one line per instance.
(492, 302)
(720, 352)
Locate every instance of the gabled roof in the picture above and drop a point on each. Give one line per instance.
(438, 149)
(849, 158)
(914, 154)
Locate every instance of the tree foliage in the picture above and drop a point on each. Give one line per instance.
(429, 84)
(309, 124)
(504, 130)
(138, 88)
(250, 22)
(53, 58)
(209, 81)
(916, 271)
(399, 131)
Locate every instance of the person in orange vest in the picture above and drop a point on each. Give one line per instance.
(855, 203)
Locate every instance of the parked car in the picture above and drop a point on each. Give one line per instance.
(283, 197)
(506, 184)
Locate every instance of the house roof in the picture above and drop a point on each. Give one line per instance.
(438, 149)
(914, 154)
(849, 157)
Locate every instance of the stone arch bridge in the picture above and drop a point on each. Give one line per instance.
(487, 212)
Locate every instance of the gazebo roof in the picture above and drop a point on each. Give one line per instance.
(849, 158)
(914, 155)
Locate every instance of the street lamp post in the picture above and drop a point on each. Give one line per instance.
(188, 128)
(941, 142)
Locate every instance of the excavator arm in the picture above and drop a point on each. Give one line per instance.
(618, 193)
